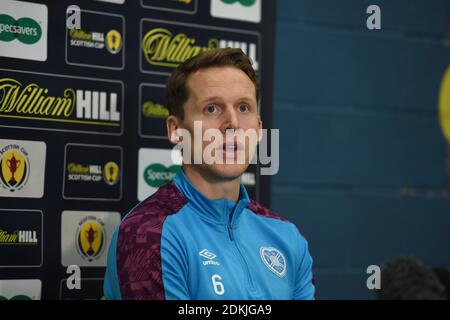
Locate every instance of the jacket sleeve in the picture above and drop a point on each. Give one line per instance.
(304, 283)
(134, 269)
(111, 288)
(174, 265)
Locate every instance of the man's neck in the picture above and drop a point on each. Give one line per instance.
(213, 187)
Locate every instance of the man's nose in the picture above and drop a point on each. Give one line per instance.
(231, 120)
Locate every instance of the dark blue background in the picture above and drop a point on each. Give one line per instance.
(363, 168)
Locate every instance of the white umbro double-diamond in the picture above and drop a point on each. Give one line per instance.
(207, 254)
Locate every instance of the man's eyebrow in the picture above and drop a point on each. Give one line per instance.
(215, 98)
(209, 99)
(248, 98)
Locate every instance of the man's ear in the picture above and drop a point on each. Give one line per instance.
(172, 124)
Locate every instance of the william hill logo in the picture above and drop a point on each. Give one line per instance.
(25, 30)
(18, 237)
(161, 47)
(97, 40)
(152, 109)
(73, 106)
(14, 167)
(91, 238)
(109, 173)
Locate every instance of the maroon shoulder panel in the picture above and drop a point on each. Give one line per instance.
(139, 244)
(257, 208)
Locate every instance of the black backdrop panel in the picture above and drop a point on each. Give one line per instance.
(78, 106)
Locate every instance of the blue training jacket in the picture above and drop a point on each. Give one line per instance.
(178, 244)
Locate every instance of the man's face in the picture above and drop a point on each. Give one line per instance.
(223, 98)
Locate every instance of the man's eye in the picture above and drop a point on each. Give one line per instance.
(211, 109)
(243, 108)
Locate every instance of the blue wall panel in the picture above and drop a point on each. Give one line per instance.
(363, 161)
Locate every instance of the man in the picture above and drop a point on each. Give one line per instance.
(407, 278)
(200, 236)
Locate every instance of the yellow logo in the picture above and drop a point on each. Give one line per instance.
(444, 105)
(76, 106)
(154, 110)
(78, 34)
(162, 48)
(91, 238)
(111, 173)
(14, 167)
(113, 41)
(18, 237)
(32, 100)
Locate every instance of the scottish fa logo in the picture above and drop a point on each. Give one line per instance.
(274, 260)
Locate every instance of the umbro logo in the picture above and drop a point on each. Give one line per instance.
(207, 254)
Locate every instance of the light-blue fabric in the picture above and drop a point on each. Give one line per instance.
(111, 288)
(235, 234)
(215, 249)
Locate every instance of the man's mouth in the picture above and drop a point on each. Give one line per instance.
(232, 147)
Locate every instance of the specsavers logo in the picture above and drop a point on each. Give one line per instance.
(29, 289)
(157, 174)
(156, 168)
(182, 6)
(18, 297)
(244, 10)
(23, 30)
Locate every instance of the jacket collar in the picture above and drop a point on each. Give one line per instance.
(217, 210)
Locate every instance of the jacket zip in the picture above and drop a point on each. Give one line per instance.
(230, 233)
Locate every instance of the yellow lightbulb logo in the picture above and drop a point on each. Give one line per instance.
(444, 104)
(113, 41)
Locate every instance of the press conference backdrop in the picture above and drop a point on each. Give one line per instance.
(82, 133)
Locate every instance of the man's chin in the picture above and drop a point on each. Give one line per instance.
(227, 171)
